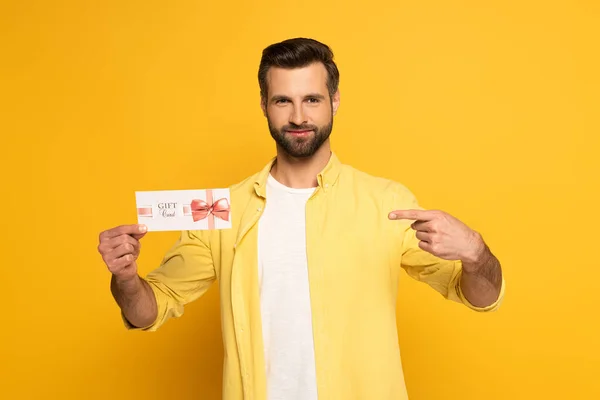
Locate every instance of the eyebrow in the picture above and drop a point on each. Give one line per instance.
(310, 95)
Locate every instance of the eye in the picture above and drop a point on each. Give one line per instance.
(313, 100)
(281, 101)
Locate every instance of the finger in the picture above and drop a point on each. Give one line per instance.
(423, 226)
(120, 263)
(134, 229)
(120, 251)
(424, 236)
(111, 244)
(426, 246)
(138, 236)
(420, 215)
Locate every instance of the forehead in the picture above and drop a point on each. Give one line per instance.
(297, 81)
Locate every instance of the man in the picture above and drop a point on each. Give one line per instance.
(308, 275)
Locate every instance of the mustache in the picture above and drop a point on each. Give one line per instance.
(303, 127)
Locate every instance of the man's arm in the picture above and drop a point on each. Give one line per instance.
(186, 272)
(120, 248)
(470, 269)
(481, 280)
(136, 300)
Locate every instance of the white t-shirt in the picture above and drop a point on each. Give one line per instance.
(284, 294)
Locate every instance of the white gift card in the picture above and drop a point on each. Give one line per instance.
(174, 210)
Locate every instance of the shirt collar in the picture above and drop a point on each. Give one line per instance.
(325, 179)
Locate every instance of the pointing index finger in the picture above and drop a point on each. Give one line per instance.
(418, 215)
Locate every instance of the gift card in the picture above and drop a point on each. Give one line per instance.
(175, 210)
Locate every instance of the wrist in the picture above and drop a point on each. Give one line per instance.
(127, 284)
(478, 255)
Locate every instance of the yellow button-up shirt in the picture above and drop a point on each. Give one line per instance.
(355, 255)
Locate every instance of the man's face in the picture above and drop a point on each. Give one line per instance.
(299, 109)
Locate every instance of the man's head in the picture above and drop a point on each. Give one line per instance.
(299, 94)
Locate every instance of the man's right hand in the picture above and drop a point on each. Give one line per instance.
(120, 248)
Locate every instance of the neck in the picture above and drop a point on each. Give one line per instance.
(300, 172)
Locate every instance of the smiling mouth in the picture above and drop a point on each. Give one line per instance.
(301, 132)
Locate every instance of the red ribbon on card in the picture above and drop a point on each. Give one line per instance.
(201, 209)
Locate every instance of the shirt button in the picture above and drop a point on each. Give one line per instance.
(327, 185)
(259, 209)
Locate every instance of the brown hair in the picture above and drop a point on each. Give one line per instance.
(298, 53)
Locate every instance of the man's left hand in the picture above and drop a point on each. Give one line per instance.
(444, 236)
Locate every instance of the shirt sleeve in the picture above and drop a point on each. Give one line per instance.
(440, 274)
(185, 273)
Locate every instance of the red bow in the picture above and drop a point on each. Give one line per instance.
(201, 209)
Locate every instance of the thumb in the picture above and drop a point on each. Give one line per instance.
(143, 231)
(138, 236)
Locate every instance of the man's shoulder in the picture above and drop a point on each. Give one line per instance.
(363, 180)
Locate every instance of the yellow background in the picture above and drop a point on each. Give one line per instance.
(487, 110)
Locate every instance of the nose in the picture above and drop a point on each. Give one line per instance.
(298, 117)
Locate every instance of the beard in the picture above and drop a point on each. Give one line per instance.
(300, 147)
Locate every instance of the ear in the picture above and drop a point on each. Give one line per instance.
(263, 105)
(336, 101)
